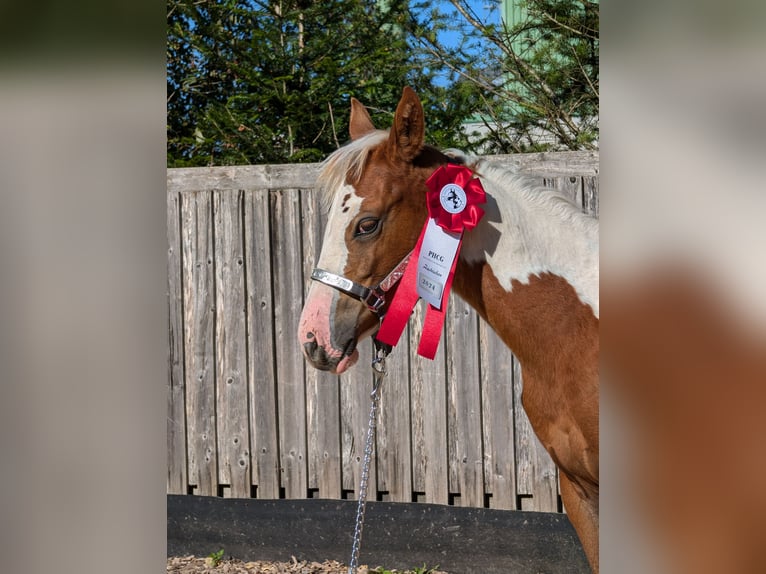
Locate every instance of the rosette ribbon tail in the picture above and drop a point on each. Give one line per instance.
(434, 320)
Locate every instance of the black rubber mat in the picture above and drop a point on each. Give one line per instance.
(396, 535)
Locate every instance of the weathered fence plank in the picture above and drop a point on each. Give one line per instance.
(590, 195)
(497, 404)
(199, 344)
(247, 418)
(356, 386)
(429, 417)
(552, 164)
(288, 299)
(231, 341)
(285, 176)
(176, 421)
(467, 458)
(304, 176)
(393, 436)
(261, 359)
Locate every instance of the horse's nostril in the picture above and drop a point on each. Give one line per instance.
(309, 335)
(310, 348)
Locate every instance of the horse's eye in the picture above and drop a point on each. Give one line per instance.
(367, 226)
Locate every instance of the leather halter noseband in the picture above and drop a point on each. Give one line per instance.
(373, 297)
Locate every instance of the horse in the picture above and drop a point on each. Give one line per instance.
(529, 268)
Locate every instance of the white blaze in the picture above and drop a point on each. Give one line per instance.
(334, 254)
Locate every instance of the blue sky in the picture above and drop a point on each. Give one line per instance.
(482, 7)
(488, 11)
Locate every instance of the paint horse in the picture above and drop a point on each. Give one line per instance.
(529, 268)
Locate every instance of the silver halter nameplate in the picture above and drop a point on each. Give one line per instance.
(373, 297)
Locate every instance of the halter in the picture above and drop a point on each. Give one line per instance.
(373, 297)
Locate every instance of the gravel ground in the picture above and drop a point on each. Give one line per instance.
(196, 565)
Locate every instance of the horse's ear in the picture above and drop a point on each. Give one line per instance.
(360, 123)
(408, 132)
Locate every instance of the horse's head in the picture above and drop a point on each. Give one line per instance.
(377, 188)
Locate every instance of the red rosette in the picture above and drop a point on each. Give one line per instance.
(470, 214)
(453, 202)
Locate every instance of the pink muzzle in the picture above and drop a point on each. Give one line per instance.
(327, 332)
(324, 349)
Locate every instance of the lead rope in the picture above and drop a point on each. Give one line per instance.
(378, 373)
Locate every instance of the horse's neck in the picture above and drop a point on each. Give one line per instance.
(531, 266)
(528, 231)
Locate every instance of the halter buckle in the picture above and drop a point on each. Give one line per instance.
(374, 300)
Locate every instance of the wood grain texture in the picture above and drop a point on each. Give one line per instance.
(429, 417)
(552, 164)
(177, 479)
(498, 419)
(232, 415)
(303, 176)
(285, 176)
(291, 382)
(590, 195)
(464, 407)
(394, 429)
(356, 385)
(261, 359)
(199, 342)
(241, 243)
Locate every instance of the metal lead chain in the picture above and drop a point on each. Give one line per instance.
(378, 372)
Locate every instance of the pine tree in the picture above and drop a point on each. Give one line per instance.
(536, 69)
(270, 81)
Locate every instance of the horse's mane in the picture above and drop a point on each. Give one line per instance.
(507, 179)
(348, 162)
(345, 162)
(531, 192)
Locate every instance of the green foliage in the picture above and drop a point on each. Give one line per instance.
(270, 81)
(216, 557)
(537, 73)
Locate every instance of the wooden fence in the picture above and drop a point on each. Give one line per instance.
(248, 418)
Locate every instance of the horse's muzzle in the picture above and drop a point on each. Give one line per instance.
(331, 324)
(333, 362)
